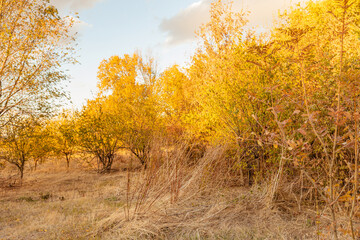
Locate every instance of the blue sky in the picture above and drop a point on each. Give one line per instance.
(163, 29)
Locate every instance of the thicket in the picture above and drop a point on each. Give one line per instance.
(279, 109)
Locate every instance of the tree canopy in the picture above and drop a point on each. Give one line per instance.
(35, 42)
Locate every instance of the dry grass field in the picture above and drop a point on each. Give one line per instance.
(55, 203)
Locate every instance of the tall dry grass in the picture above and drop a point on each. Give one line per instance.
(175, 197)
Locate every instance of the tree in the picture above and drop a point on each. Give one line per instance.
(97, 134)
(228, 86)
(43, 145)
(129, 85)
(176, 93)
(63, 131)
(34, 43)
(221, 86)
(21, 141)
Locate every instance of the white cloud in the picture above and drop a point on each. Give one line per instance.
(263, 12)
(181, 27)
(74, 5)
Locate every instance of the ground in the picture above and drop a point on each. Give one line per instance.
(79, 203)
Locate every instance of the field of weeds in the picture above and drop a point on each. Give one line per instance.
(55, 203)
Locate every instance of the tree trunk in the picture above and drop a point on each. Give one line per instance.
(67, 161)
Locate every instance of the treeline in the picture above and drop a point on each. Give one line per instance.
(284, 106)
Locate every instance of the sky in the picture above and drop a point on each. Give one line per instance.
(164, 29)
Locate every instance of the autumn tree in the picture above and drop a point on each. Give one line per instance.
(230, 75)
(129, 84)
(214, 71)
(34, 43)
(42, 144)
(176, 98)
(96, 133)
(62, 130)
(23, 140)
